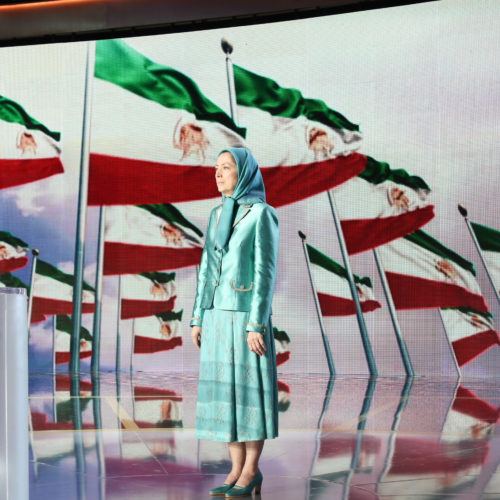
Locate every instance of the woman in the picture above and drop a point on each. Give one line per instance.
(238, 387)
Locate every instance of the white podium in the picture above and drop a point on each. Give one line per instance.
(14, 404)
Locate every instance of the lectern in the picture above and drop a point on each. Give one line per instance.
(14, 406)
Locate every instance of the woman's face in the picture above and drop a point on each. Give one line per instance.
(226, 173)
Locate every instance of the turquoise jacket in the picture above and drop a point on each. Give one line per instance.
(242, 276)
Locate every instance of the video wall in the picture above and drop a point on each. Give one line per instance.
(385, 121)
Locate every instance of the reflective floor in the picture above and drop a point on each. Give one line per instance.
(132, 437)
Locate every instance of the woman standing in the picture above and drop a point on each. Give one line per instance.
(238, 387)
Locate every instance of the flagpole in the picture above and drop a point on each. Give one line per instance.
(450, 345)
(96, 341)
(227, 48)
(74, 364)
(35, 252)
(326, 344)
(403, 349)
(463, 212)
(118, 320)
(370, 359)
(132, 347)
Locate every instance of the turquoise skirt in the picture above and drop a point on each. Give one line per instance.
(237, 388)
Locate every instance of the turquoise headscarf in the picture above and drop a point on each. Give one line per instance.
(249, 189)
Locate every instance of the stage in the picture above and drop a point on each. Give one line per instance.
(132, 437)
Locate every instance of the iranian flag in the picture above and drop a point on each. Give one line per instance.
(155, 136)
(332, 287)
(13, 252)
(489, 241)
(11, 281)
(283, 396)
(471, 333)
(160, 332)
(423, 274)
(52, 291)
(147, 294)
(380, 205)
(157, 408)
(147, 238)
(305, 146)
(282, 346)
(64, 329)
(29, 151)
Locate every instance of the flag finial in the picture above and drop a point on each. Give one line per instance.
(302, 235)
(462, 209)
(227, 46)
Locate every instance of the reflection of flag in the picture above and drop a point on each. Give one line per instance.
(153, 132)
(283, 396)
(64, 329)
(147, 294)
(423, 273)
(9, 280)
(53, 291)
(302, 142)
(489, 241)
(334, 294)
(380, 205)
(157, 408)
(29, 151)
(470, 332)
(160, 332)
(149, 238)
(13, 252)
(282, 343)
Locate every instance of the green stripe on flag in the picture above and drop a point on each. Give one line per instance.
(322, 260)
(280, 335)
(377, 172)
(65, 324)
(9, 280)
(158, 277)
(13, 112)
(467, 310)
(169, 213)
(45, 269)
(256, 91)
(488, 238)
(12, 240)
(425, 240)
(170, 315)
(118, 63)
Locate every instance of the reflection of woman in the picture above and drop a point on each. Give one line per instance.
(238, 390)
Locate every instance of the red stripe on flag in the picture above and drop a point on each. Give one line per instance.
(364, 234)
(283, 386)
(63, 356)
(18, 172)
(121, 258)
(40, 422)
(43, 306)
(439, 456)
(153, 394)
(468, 403)
(8, 265)
(147, 345)
(142, 308)
(282, 357)
(470, 348)
(125, 181)
(339, 306)
(63, 383)
(411, 292)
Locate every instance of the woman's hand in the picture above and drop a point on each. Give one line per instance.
(255, 341)
(196, 335)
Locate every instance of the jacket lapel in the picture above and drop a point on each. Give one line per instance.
(242, 211)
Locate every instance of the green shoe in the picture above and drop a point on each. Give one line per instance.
(245, 491)
(220, 491)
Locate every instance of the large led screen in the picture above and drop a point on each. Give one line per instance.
(370, 128)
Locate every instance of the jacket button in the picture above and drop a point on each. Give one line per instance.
(215, 282)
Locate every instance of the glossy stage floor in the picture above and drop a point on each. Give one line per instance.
(132, 437)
